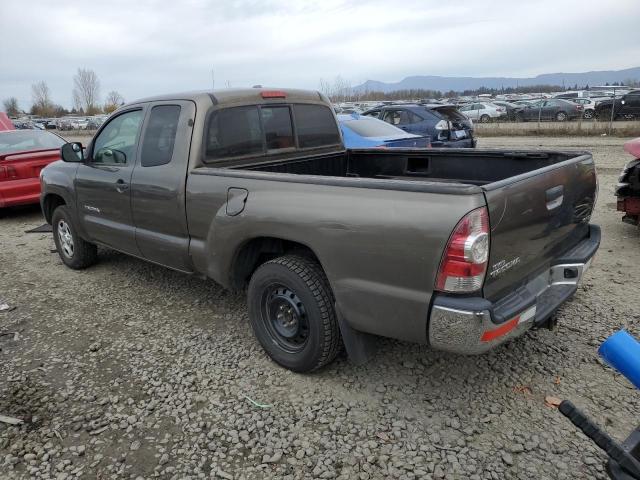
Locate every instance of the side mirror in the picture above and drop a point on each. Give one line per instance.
(71, 152)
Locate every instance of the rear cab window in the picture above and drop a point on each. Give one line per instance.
(257, 130)
(160, 135)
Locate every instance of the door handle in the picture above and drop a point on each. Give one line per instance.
(121, 186)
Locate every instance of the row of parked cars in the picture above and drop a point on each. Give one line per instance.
(563, 107)
(63, 123)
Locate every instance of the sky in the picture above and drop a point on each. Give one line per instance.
(147, 47)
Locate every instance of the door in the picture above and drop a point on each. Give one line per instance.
(158, 184)
(467, 110)
(103, 183)
(404, 119)
(632, 104)
(535, 110)
(553, 107)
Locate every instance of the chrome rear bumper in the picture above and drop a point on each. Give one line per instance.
(474, 325)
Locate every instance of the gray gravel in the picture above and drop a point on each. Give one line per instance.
(128, 370)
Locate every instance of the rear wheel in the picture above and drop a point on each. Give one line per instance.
(485, 118)
(291, 311)
(561, 116)
(589, 114)
(74, 252)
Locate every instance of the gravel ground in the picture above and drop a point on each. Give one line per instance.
(129, 370)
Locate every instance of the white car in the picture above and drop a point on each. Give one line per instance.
(588, 106)
(483, 112)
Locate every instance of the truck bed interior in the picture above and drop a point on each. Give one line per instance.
(477, 167)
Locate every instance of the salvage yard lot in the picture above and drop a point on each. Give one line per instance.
(128, 369)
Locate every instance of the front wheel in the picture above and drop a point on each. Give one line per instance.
(74, 252)
(291, 311)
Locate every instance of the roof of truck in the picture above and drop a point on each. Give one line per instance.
(242, 95)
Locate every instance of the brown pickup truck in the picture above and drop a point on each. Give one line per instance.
(253, 188)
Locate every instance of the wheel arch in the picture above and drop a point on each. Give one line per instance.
(50, 202)
(255, 251)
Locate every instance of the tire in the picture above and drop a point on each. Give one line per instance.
(561, 117)
(485, 118)
(74, 252)
(291, 311)
(589, 114)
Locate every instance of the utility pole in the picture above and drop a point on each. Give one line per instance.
(613, 107)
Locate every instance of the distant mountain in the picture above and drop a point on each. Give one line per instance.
(458, 84)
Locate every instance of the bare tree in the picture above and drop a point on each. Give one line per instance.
(41, 97)
(11, 106)
(338, 91)
(86, 91)
(113, 101)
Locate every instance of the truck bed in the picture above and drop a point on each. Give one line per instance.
(475, 167)
(539, 202)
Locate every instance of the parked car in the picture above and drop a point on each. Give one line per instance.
(483, 112)
(446, 126)
(550, 109)
(359, 131)
(511, 108)
(23, 154)
(627, 106)
(628, 188)
(588, 107)
(254, 188)
(5, 122)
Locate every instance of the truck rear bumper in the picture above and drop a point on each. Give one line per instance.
(473, 325)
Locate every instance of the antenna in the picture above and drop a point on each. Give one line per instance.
(213, 80)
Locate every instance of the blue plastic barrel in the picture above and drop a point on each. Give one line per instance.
(622, 351)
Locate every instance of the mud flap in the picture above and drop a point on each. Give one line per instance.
(360, 346)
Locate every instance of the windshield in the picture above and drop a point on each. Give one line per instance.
(371, 127)
(17, 141)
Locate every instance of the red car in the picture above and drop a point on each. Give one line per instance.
(628, 188)
(23, 153)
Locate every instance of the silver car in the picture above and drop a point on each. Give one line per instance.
(483, 112)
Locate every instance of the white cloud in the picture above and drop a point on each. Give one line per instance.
(147, 47)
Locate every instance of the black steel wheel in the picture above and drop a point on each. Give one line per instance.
(292, 313)
(285, 317)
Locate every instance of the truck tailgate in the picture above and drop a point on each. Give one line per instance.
(535, 218)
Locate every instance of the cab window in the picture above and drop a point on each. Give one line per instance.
(315, 126)
(233, 132)
(117, 141)
(278, 129)
(160, 135)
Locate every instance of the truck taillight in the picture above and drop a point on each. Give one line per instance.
(464, 262)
